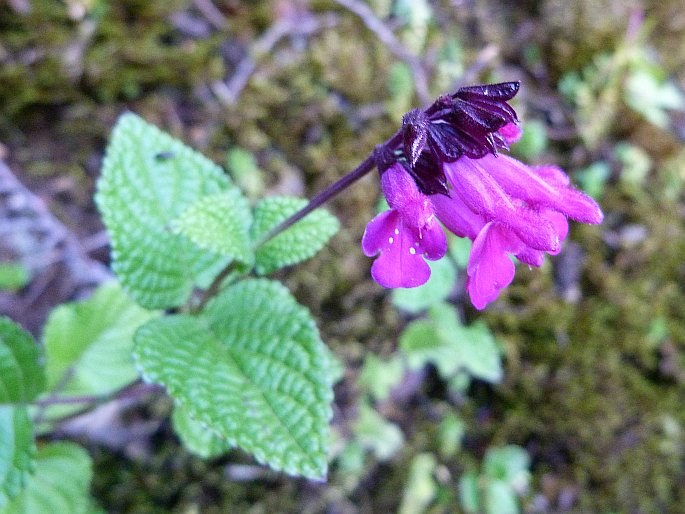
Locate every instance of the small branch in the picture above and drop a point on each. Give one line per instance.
(229, 91)
(386, 36)
(211, 14)
(69, 400)
(322, 197)
(317, 201)
(213, 288)
(130, 392)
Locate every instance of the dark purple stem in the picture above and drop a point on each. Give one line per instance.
(319, 199)
(323, 196)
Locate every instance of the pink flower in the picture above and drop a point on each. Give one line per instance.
(405, 235)
(505, 207)
(451, 172)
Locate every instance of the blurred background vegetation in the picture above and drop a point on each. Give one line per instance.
(564, 396)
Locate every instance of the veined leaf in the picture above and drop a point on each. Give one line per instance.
(17, 450)
(451, 346)
(59, 484)
(196, 437)
(22, 376)
(296, 244)
(251, 368)
(148, 179)
(88, 344)
(219, 223)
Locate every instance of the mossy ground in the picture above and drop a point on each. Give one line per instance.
(594, 387)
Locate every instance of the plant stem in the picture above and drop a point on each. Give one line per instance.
(213, 288)
(319, 199)
(331, 191)
(69, 400)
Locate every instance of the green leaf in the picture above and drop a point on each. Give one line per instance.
(421, 487)
(252, 368)
(593, 179)
(460, 249)
(296, 244)
(59, 484)
(651, 97)
(377, 434)
(148, 179)
(533, 141)
(452, 347)
(635, 164)
(13, 275)
(88, 344)
(450, 433)
(243, 168)
(481, 355)
(17, 450)
(379, 377)
(196, 437)
(509, 464)
(219, 223)
(439, 286)
(500, 498)
(469, 495)
(22, 377)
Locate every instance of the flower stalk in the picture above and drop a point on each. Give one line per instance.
(443, 169)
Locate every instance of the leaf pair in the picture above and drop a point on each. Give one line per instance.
(249, 370)
(175, 219)
(224, 224)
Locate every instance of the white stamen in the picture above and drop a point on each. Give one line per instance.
(412, 251)
(397, 232)
(391, 240)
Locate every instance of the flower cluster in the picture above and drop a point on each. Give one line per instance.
(448, 172)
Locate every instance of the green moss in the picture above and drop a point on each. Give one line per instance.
(597, 382)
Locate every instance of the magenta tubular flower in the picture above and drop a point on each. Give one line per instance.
(405, 235)
(451, 171)
(507, 208)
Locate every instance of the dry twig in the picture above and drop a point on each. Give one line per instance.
(386, 36)
(229, 91)
(211, 14)
(47, 248)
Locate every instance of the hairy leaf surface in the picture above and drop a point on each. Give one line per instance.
(219, 223)
(22, 376)
(296, 244)
(148, 180)
(252, 369)
(196, 436)
(59, 484)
